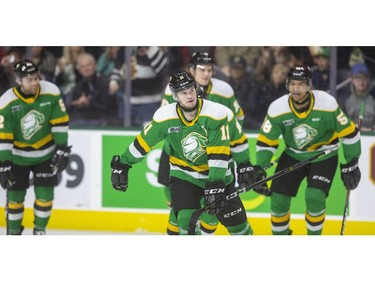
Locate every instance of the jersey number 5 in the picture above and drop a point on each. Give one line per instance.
(342, 118)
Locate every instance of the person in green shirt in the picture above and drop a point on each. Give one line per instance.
(202, 136)
(33, 138)
(310, 121)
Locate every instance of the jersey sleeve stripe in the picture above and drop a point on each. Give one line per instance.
(218, 163)
(347, 131)
(6, 146)
(143, 144)
(60, 120)
(239, 148)
(135, 152)
(218, 150)
(267, 141)
(352, 140)
(240, 141)
(6, 136)
(60, 129)
(267, 148)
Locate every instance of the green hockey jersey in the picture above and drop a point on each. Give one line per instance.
(30, 127)
(200, 148)
(307, 133)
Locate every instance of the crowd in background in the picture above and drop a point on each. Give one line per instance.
(92, 79)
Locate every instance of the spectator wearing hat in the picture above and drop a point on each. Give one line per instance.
(361, 100)
(320, 71)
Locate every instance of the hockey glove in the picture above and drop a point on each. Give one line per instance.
(350, 174)
(119, 174)
(60, 159)
(214, 193)
(248, 174)
(6, 174)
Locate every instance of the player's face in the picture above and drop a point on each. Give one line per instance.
(203, 74)
(188, 97)
(298, 89)
(30, 84)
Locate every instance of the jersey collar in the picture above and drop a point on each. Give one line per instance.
(182, 117)
(306, 112)
(28, 100)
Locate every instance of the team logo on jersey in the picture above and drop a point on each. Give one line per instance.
(45, 103)
(193, 146)
(31, 123)
(16, 108)
(174, 129)
(303, 135)
(289, 122)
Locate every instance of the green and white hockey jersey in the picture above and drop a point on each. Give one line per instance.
(31, 126)
(200, 148)
(307, 133)
(218, 91)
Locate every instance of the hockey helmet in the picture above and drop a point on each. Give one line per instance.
(299, 73)
(200, 58)
(25, 68)
(181, 81)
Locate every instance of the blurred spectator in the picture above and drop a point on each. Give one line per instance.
(45, 61)
(91, 104)
(243, 85)
(67, 75)
(320, 71)
(269, 57)
(223, 55)
(7, 76)
(149, 75)
(361, 101)
(264, 93)
(110, 59)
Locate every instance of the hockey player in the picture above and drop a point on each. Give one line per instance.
(201, 139)
(201, 66)
(33, 138)
(309, 121)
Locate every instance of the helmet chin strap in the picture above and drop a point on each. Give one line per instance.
(188, 109)
(307, 96)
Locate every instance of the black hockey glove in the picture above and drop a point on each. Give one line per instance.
(215, 192)
(248, 174)
(119, 174)
(60, 159)
(6, 174)
(350, 174)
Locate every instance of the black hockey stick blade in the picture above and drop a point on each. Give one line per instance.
(196, 214)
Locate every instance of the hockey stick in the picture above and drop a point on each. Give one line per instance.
(196, 214)
(7, 211)
(346, 208)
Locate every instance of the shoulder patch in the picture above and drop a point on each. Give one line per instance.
(221, 88)
(214, 110)
(324, 101)
(7, 98)
(166, 112)
(48, 88)
(279, 106)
